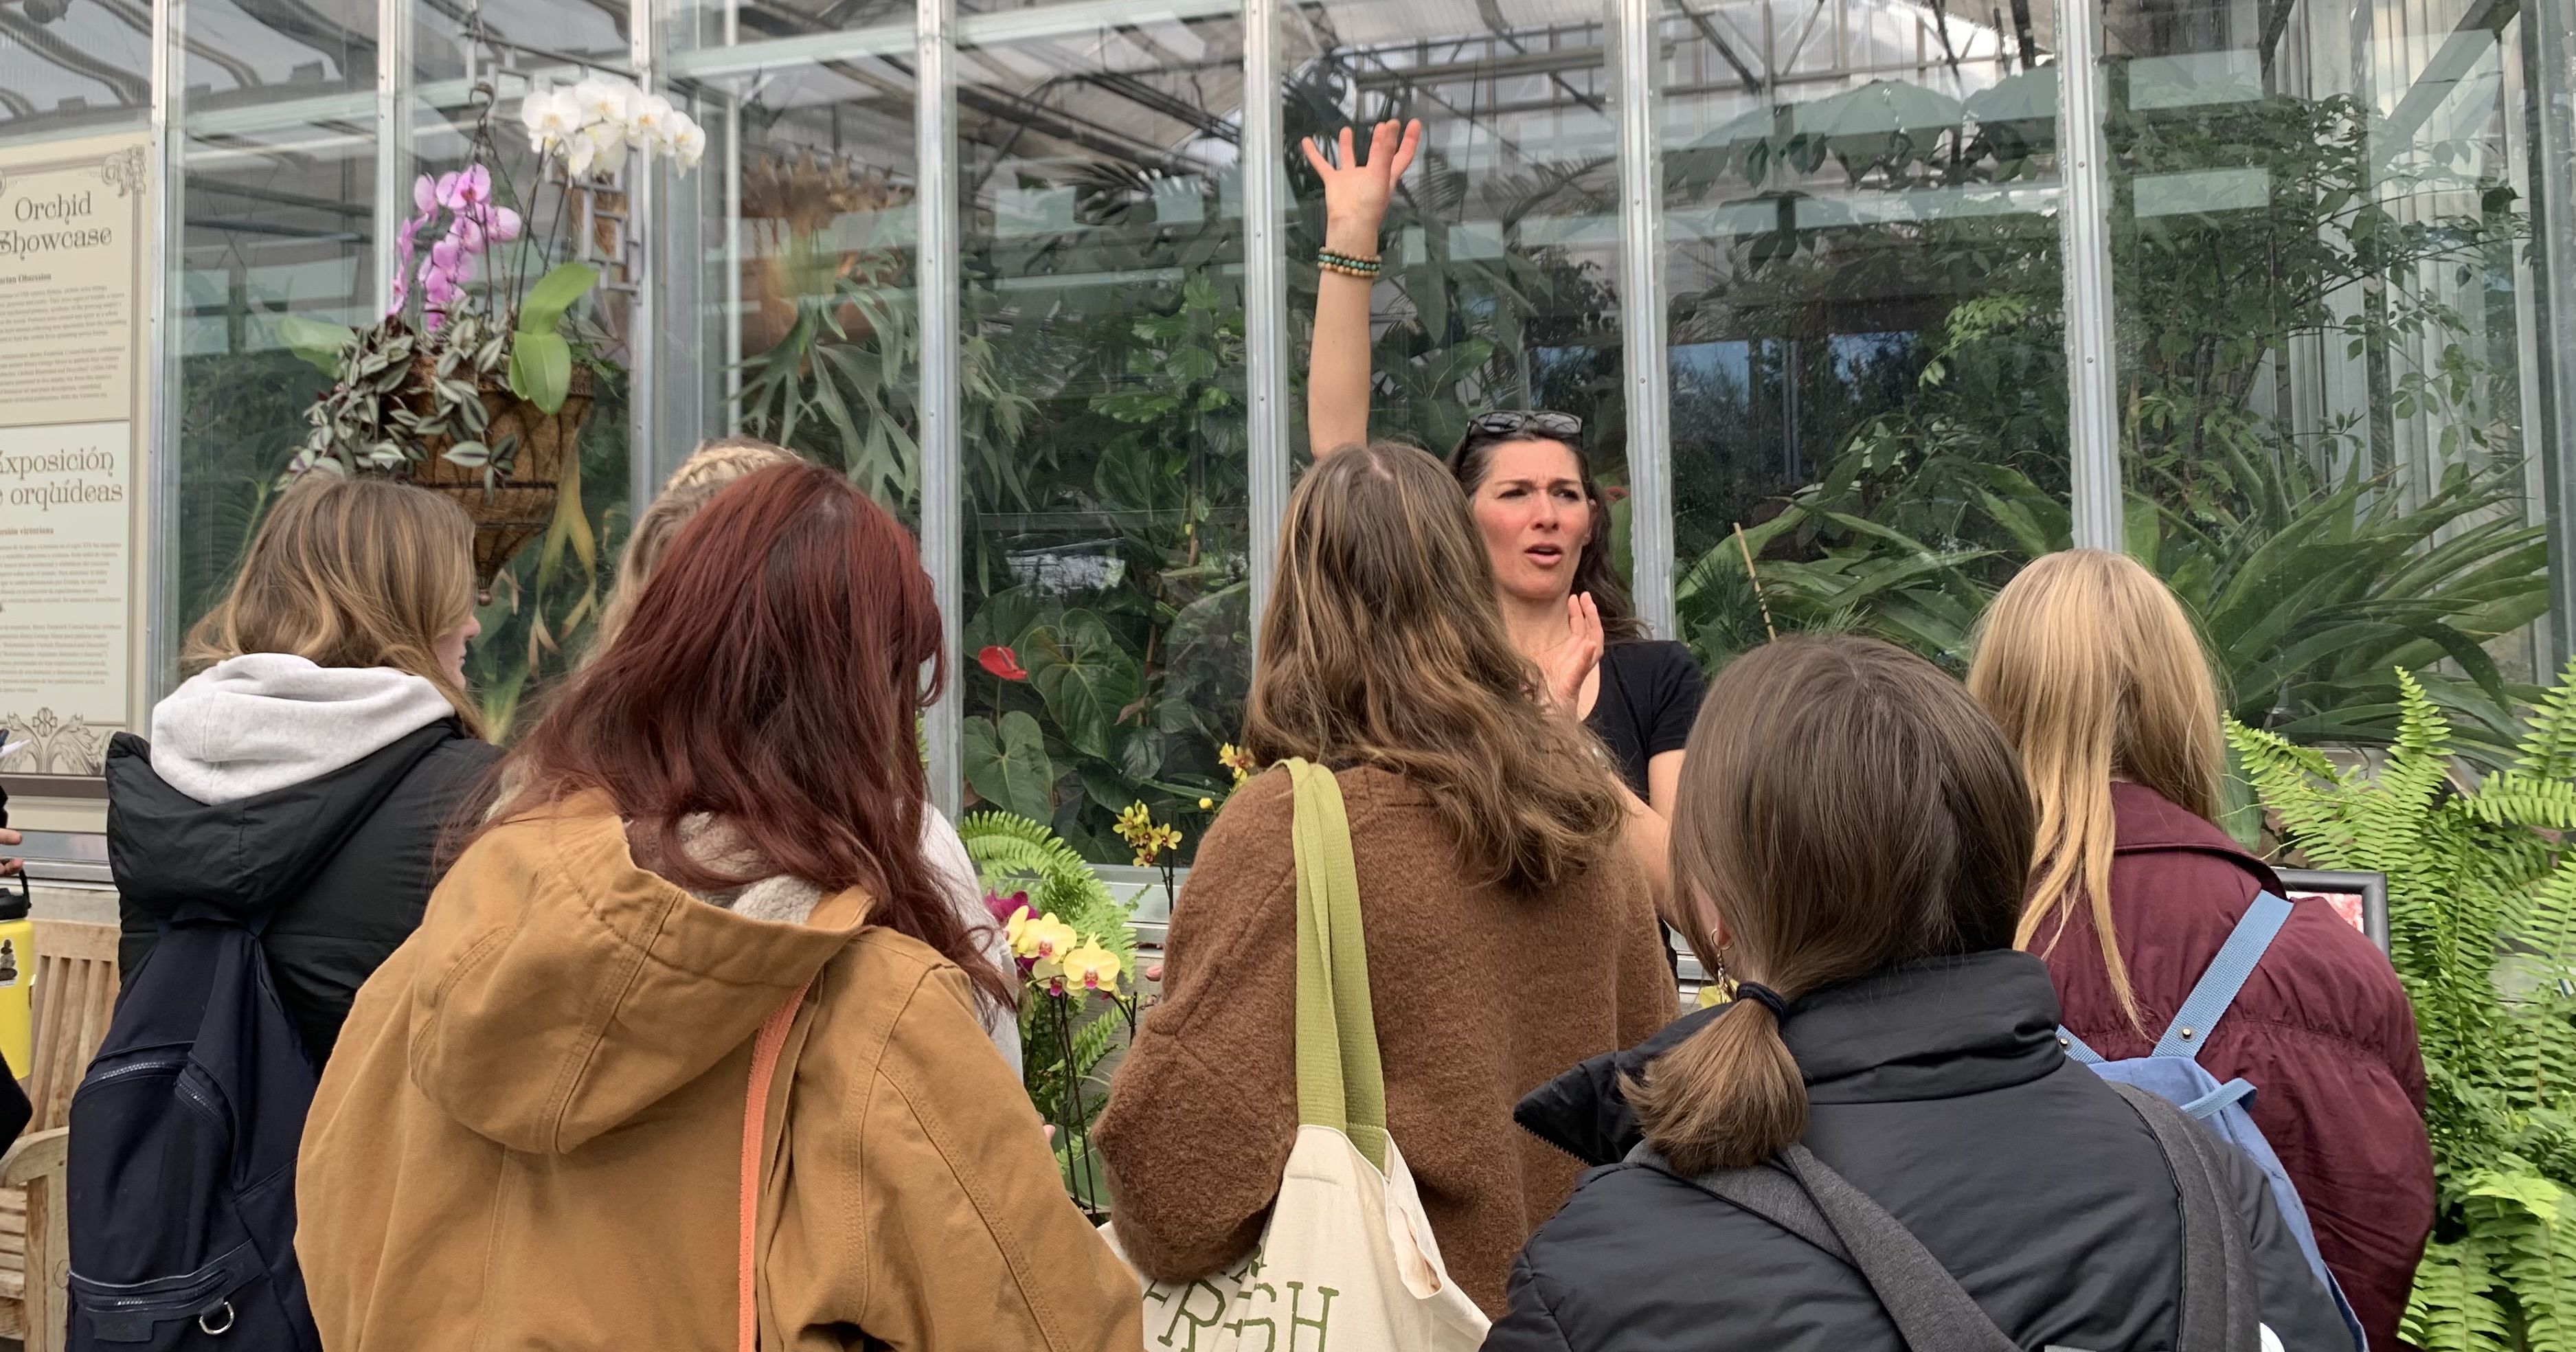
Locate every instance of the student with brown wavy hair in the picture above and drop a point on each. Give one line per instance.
(2099, 681)
(325, 743)
(1855, 835)
(691, 1018)
(1508, 934)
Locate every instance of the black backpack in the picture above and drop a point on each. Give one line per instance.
(183, 1138)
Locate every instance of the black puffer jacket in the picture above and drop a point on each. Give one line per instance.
(346, 860)
(1940, 1091)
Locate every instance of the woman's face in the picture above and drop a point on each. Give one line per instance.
(451, 647)
(1534, 518)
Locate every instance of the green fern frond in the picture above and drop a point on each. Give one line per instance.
(2529, 1223)
(2548, 750)
(2449, 1310)
(2518, 798)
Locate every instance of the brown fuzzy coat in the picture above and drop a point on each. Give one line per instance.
(1481, 995)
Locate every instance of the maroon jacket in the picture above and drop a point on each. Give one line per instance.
(2322, 1030)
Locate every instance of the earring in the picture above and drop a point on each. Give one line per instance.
(1720, 985)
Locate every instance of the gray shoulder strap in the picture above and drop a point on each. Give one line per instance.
(2219, 1308)
(1928, 1306)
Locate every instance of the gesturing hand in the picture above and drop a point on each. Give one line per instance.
(1356, 193)
(1566, 667)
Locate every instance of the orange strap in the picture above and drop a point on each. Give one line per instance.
(765, 1047)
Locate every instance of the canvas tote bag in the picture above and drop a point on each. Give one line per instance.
(1347, 1262)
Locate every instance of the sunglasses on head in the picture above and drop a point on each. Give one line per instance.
(1512, 422)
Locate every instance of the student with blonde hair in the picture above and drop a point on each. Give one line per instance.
(1508, 933)
(325, 744)
(1855, 836)
(2099, 681)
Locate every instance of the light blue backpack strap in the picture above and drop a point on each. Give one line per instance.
(2221, 1099)
(2226, 975)
(2076, 1051)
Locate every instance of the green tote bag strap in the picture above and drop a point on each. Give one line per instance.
(1339, 1081)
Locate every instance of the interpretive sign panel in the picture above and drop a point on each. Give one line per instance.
(75, 225)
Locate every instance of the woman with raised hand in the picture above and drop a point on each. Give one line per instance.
(709, 470)
(1508, 935)
(325, 744)
(2101, 685)
(687, 1053)
(1855, 833)
(1543, 519)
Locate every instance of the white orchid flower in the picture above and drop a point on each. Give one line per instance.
(551, 115)
(649, 121)
(688, 143)
(607, 141)
(578, 151)
(601, 101)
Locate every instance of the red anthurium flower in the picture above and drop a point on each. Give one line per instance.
(1002, 662)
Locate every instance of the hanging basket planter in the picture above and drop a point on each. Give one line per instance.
(512, 501)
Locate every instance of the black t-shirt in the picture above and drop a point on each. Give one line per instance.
(1650, 692)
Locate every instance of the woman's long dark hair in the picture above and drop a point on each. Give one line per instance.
(1473, 459)
(770, 675)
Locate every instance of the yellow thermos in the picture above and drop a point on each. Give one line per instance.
(17, 975)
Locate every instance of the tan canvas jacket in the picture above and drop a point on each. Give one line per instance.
(530, 1133)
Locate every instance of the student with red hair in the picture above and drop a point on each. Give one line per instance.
(687, 1051)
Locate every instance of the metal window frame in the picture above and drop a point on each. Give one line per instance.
(943, 540)
(1644, 363)
(1262, 164)
(2084, 262)
(169, 152)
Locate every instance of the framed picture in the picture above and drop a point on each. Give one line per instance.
(2361, 898)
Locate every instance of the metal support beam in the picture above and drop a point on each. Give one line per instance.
(2549, 57)
(393, 139)
(160, 377)
(1262, 163)
(2084, 236)
(943, 538)
(643, 331)
(1641, 316)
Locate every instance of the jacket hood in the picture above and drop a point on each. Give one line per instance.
(259, 722)
(1931, 1029)
(168, 849)
(560, 990)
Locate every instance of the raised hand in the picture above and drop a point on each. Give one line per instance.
(1572, 661)
(1356, 191)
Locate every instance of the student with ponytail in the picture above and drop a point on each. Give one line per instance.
(2099, 682)
(1852, 837)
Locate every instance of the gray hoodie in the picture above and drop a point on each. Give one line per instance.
(252, 724)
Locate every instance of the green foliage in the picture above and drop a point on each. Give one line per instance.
(2316, 559)
(2482, 929)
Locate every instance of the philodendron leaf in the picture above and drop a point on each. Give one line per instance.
(316, 341)
(541, 368)
(543, 307)
(1008, 766)
(1084, 676)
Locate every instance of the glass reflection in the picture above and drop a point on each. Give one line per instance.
(2324, 305)
(1864, 312)
(1103, 419)
(74, 65)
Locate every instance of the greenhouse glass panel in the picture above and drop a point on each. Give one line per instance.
(1501, 248)
(1866, 338)
(1105, 571)
(2322, 249)
(67, 68)
(804, 244)
(279, 226)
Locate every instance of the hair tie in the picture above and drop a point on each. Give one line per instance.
(1764, 996)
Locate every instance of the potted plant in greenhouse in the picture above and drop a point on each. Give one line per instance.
(2482, 930)
(1075, 947)
(478, 379)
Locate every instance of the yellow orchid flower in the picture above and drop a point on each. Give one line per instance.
(1092, 967)
(1237, 759)
(1039, 936)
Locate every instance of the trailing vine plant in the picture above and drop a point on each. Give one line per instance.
(2482, 930)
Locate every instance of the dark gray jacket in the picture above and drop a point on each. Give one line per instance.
(1938, 1089)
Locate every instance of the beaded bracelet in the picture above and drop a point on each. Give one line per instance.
(1349, 265)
